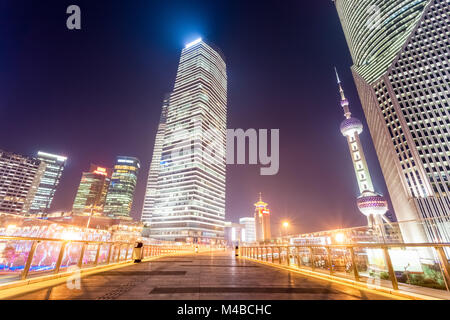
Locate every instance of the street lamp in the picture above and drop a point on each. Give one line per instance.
(285, 226)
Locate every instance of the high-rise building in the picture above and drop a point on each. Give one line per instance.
(262, 221)
(371, 204)
(400, 51)
(49, 182)
(151, 192)
(19, 180)
(91, 194)
(233, 233)
(190, 204)
(249, 229)
(121, 189)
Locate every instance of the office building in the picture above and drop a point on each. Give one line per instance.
(49, 182)
(249, 229)
(151, 191)
(262, 221)
(401, 68)
(122, 187)
(190, 205)
(91, 194)
(19, 181)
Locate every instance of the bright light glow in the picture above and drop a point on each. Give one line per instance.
(340, 237)
(190, 44)
(285, 224)
(45, 154)
(11, 227)
(70, 235)
(233, 234)
(125, 161)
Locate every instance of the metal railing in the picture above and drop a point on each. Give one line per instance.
(417, 267)
(25, 257)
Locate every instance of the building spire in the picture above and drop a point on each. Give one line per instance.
(344, 101)
(260, 197)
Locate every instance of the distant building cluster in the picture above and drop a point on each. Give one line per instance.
(28, 185)
(401, 70)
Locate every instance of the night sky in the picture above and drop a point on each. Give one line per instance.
(97, 93)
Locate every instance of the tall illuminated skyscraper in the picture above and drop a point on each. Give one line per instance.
(49, 181)
(121, 189)
(190, 202)
(400, 51)
(370, 203)
(91, 194)
(19, 181)
(151, 192)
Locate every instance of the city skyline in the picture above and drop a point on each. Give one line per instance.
(225, 154)
(255, 107)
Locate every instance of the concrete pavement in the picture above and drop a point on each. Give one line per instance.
(205, 276)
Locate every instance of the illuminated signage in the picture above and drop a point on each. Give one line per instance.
(101, 171)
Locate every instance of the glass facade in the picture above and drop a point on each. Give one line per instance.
(401, 69)
(49, 182)
(249, 229)
(19, 181)
(91, 195)
(151, 192)
(121, 189)
(190, 202)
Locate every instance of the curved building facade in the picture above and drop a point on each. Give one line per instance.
(400, 51)
(190, 185)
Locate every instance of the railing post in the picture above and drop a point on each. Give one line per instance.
(445, 267)
(387, 257)
(111, 246)
(299, 264)
(97, 255)
(26, 269)
(355, 267)
(330, 259)
(288, 256)
(311, 257)
(60, 257)
(118, 252)
(279, 255)
(128, 250)
(80, 260)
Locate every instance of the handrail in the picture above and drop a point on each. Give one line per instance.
(360, 245)
(261, 252)
(118, 252)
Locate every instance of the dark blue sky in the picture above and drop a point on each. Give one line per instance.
(96, 93)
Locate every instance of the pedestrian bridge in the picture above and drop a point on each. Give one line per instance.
(105, 271)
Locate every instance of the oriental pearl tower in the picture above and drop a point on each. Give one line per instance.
(370, 203)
